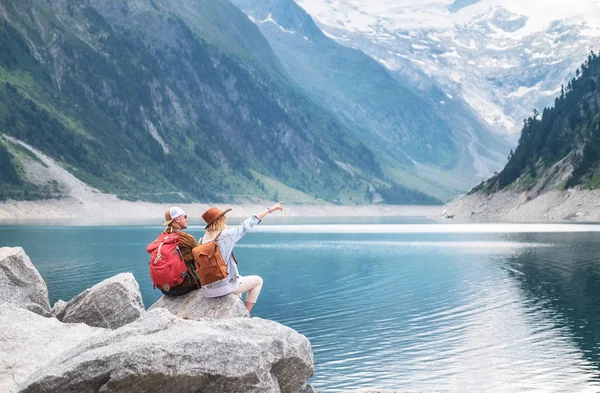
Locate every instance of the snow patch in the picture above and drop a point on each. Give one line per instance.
(419, 47)
(387, 64)
(524, 90)
(550, 93)
(539, 55)
(333, 37)
(271, 20)
(452, 54)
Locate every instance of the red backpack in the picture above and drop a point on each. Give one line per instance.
(167, 267)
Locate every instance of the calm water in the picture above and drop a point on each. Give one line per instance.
(414, 307)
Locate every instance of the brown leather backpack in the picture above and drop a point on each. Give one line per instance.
(209, 262)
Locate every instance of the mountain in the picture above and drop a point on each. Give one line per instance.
(554, 173)
(436, 147)
(502, 57)
(174, 100)
(559, 148)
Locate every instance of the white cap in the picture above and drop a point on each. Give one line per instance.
(172, 214)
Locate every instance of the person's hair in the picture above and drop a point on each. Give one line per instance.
(217, 226)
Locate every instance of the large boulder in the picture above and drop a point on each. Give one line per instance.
(28, 341)
(21, 283)
(195, 306)
(59, 308)
(112, 303)
(162, 353)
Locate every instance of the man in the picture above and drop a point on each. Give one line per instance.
(176, 222)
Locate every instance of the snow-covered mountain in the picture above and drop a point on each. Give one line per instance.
(502, 57)
(440, 149)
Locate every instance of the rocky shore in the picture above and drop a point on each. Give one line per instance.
(84, 205)
(109, 210)
(523, 206)
(104, 340)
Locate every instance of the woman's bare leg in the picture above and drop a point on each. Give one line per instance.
(252, 285)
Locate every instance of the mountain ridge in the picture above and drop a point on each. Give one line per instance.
(501, 57)
(428, 143)
(117, 104)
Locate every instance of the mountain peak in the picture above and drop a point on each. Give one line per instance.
(502, 57)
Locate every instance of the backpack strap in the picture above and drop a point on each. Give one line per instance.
(233, 256)
(194, 275)
(158, 254)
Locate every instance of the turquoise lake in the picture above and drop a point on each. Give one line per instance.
(397, 304)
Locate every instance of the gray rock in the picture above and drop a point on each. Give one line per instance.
(111, 303)
(29, 341)
(21, 283)
(387, 391)
(308, 389)
(162, 353)
(58, 310)
(195, 306)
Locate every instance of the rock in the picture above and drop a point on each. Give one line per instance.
(308, 389)
(162, 353)
(112, 303)
(21, 283)
(58, 310)
(389, 391)
(195, 306)
(382, 391)
(29, 341)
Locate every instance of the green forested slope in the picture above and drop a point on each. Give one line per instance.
(564, 138)
(130, 97)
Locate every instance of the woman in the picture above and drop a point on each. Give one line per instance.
(216, 223)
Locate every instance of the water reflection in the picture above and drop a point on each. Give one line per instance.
(442, 312)
(564, 282)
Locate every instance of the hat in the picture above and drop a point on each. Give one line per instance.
(172, 214)
(213, 214)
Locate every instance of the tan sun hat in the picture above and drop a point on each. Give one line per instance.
(171, 214)
(213, 214)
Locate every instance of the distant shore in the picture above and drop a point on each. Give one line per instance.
(106, 209)
(513, 206)
(85, 205)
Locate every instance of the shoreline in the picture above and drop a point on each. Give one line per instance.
(108, 210)
(83, 205)
(569, 206)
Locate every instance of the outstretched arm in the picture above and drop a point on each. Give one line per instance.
(272, 209)
(237, 232)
